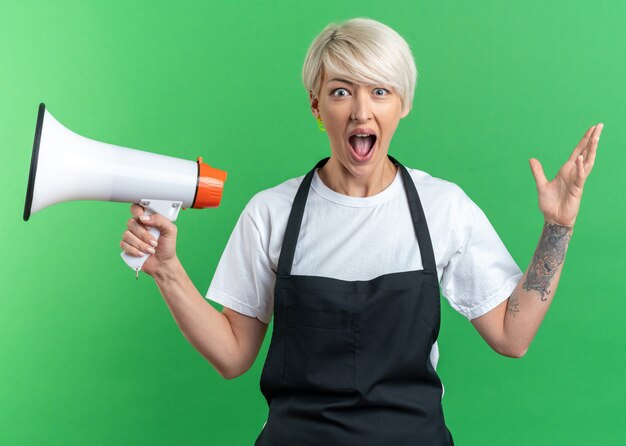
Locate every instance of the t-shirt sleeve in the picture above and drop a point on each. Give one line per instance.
(481, 273)
(243, 279)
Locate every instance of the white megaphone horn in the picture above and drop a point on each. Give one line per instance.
(66, 166)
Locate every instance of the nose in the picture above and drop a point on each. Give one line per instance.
(362, 108)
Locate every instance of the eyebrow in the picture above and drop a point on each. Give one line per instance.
(340, 80)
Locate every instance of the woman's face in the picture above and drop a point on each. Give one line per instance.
(344, 107)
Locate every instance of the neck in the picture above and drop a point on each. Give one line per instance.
(339, 179)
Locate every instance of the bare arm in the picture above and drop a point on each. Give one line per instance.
(229, 341)
(511, 326)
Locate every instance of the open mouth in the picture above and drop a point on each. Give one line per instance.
(362, 146)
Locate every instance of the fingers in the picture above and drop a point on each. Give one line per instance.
(131, 250)
(586, 158)
(136, 210)
(158, 221)
(581, 175)
(589, 154)
(582, 144)
(537, 170)
(136, 240)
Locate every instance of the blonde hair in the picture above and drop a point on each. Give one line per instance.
(363, 51)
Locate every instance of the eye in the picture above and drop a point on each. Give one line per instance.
(338, 89)
(381, 89)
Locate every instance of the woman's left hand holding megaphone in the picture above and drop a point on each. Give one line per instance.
(137, 240)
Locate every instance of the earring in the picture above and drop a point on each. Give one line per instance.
(320, 125)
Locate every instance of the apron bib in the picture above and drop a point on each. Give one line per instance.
(349, 361)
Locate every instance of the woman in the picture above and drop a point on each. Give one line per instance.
(349, 260)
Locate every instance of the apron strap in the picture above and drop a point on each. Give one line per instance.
(294, 223)
(419, 220)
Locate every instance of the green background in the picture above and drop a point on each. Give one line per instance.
(88, 355)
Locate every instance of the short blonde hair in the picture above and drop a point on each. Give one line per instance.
(363, 51)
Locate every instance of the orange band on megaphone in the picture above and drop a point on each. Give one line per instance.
(210, 186)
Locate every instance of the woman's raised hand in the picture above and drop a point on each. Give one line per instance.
(137, 241)
(559, 199)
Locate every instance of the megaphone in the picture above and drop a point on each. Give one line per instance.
(66, 166)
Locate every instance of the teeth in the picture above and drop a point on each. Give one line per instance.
(362, 135)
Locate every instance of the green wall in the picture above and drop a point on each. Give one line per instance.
(88, 355)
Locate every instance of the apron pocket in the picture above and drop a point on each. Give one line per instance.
(320, 349)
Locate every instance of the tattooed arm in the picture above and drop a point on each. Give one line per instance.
(529, 302)
(511, 326)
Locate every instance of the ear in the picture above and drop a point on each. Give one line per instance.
(406, 112)
(314, 104)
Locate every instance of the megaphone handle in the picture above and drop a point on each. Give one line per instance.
(134, 262)
(169, 209)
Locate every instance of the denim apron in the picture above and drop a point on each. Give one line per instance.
(349, 361)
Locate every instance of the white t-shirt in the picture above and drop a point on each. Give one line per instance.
(353, 238)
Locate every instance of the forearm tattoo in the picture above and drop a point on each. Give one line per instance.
(513, 305)
(549, 255)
